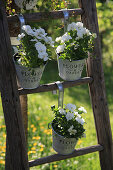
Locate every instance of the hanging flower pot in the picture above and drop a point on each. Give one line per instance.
(67, 128)
(72, 50)
(27, 4)
(70, 70)
(28, 78)
(63, 146)
(32, 55)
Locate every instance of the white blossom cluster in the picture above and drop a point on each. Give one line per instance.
(71, 112)
(40, 37)
(81, 31)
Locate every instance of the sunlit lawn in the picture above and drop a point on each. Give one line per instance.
(40, 114)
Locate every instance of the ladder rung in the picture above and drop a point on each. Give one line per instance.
(53, 86)
(36, 17)
(58, 157)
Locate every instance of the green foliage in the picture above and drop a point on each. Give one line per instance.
(66, 124)
(28, 53)
(35, 47)
(75, 43)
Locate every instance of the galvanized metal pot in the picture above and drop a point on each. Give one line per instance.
(63, 146)
(70, 70)
(28, 78)
(29, 5)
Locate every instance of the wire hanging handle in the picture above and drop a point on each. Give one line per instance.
(22, 21)
(66, 19)
(61, 94)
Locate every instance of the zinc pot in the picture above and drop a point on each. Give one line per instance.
(29, 5)
(70, 70)
(28, 78)
(63, 146)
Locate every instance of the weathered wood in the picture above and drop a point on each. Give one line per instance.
(97, 88)
(58, 157)
(24, 111)
(13, 28)
(10, 99)
(37, 17)
(53, 86)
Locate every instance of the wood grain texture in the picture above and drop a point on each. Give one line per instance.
(58, 157)
(24, 111)
(53, 86)
(10, 99)
(97, 88)
(14, 23)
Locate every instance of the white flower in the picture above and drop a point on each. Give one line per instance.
(62, 111)
(72, 26)
(40, 47)
(72, 131)
(88, 32)
(76, 114)
(80, 120)
(48, 40)
(34, 40)
(15, 49)
(70, 106)
(20, 36)
(81, 109)
(43, 56)
(79, 24)
(60, 49)
(65, 37)
(28, 29)
(80, 33)
(39, 33)
(58, 39)
(94, 35)
(69, 116)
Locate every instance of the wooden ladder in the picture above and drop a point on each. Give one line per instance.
(16, 143)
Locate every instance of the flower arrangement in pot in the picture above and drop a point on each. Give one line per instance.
(32, 55)
(72, 50)
(67, 128)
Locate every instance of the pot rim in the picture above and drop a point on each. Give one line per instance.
(69, 60)
(61, 135)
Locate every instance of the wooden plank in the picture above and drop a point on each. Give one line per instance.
(97, 88)
(24, 111)
(10, 99)
(14, 24)
(58, 157)
(53, 86)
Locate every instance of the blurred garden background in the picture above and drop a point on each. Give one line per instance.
(39, 105)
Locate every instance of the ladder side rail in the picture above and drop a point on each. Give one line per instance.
(97, 88)
(10, 99)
